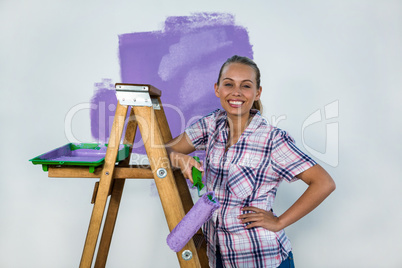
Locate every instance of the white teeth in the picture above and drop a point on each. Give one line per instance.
(236, 102)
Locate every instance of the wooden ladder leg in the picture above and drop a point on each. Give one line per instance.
(164, 179)
(187, 201)
(182, 185)
(110, 222)
(104, 187)
(115, 200)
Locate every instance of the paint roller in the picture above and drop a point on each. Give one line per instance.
(200, 213)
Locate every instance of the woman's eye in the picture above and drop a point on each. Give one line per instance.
(247, 86)
(228, 85)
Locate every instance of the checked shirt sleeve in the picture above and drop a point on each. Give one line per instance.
(287, 160)
(198, 131)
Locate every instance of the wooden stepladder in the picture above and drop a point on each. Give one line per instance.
(147, 113)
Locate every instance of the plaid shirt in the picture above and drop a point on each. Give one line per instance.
(247, 174)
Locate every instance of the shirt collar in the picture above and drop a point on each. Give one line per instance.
(256, 121)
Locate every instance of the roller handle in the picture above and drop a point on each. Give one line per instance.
(197, 177)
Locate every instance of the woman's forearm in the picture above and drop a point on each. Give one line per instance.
(321, 185)
(178, 150)
(172, 154)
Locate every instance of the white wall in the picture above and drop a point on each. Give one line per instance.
(311, 53)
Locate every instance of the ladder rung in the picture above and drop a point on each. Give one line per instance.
(82, 172)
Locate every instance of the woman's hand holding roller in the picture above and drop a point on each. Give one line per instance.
(186, 164)
(178, 150)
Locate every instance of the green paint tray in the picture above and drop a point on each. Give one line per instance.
(79, 154)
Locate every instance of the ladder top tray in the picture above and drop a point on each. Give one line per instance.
(78, 154)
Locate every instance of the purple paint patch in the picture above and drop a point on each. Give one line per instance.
(183, 61)
(103, 108)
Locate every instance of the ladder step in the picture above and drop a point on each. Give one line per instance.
(82, 172)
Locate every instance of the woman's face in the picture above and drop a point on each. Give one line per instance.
(237, 89)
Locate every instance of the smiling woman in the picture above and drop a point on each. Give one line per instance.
(246, 160)
(238, 89)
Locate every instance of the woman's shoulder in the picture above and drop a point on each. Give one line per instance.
(209, 122)
(217, 115)
(272, 132)
(278, 134)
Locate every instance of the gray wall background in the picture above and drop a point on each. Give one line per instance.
(343, 55)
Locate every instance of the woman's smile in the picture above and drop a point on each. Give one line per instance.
(235, 103)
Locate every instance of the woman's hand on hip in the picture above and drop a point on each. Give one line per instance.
(260, 218)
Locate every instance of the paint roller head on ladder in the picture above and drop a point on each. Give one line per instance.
(246, 159)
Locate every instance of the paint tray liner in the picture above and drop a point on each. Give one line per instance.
(79, 154)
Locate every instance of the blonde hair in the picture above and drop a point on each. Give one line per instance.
(257, 105)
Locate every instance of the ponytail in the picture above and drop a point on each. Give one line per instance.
(257, 105)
